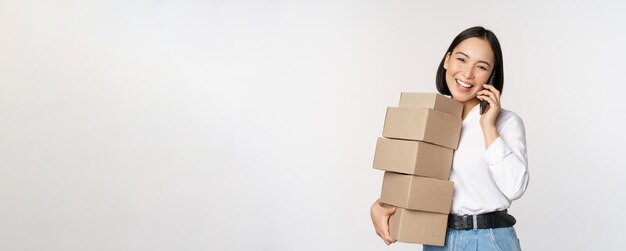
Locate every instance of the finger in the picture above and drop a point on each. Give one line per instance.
(382, 204)
(386, 206)
(489, 94)
(386, 238)
(383, 237)
(486, 95)
(385, 232)
(489, 100)
(494, 90)
(389, 240)
(386, 235)
(483, 92)
(385, 241)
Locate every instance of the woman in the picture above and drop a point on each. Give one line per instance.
(489, 169)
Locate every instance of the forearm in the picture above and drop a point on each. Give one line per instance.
(491, 134)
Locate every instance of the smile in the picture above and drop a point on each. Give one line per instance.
(463, 84)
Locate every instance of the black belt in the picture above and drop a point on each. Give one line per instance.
(489, 220)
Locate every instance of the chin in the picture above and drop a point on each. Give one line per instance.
(462, 97)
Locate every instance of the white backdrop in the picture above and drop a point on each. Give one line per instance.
(251, 125)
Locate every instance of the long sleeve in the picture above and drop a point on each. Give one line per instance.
(507, 160)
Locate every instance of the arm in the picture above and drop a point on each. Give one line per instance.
(507, 159)
(506, 148)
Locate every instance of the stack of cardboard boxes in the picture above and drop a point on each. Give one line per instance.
(416, 150)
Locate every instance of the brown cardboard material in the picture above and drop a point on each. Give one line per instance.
(413, 157)
(418, 227)
(417, 193)
(423, 124)
(431, 100)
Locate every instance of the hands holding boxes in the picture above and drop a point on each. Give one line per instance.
(416, 154)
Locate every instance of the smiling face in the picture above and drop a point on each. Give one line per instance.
(468, 68)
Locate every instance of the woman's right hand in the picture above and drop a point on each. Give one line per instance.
(381, 213)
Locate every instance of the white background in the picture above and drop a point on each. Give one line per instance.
(251, 125)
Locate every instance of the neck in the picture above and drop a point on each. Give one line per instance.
(468, 105)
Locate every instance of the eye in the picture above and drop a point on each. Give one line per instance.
(482, 68)
(461, 59)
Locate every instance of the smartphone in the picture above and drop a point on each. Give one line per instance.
(483, 103)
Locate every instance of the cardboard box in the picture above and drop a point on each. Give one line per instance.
(433, 101)
(423, 124)
(417, 193)
(413, 157)
(418, 227)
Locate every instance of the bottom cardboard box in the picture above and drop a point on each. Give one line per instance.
(418, 227)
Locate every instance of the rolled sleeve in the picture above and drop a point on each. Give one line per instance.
(497, 152)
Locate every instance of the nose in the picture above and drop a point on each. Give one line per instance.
(468, 73)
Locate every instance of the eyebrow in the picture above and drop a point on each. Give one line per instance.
(480, 61)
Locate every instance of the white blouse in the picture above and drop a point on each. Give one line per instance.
(487, 180)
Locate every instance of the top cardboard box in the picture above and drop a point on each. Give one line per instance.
(432, 101)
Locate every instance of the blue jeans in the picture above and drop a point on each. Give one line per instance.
(497, 239)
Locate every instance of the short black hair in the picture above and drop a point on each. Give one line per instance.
(498, 68)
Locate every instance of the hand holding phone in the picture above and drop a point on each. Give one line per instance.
(483, 103)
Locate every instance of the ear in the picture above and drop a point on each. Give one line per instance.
(445, 61)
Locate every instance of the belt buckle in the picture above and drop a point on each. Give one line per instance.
(468, 222)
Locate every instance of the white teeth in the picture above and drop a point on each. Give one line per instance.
(464, 85)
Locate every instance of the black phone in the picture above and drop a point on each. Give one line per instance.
(483, 103)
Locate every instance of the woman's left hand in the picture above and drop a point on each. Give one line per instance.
(492, 96)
